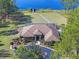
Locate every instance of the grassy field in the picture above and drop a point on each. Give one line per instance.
(52, 17)
(55, 18)
(5, 38)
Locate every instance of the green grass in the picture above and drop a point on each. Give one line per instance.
(5, 41)
(37, 19)
(55, 18)
(52, 16)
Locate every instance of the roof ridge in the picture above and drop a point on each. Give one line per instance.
(37, 31)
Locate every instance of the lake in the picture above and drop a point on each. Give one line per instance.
(39, 4)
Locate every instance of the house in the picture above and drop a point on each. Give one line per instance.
(38, 32)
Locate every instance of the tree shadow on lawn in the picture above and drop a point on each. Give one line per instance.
(0, 41)
(9, 32)
(19, 18)
(3, 25)
(1, 44)
(4, 53)
(16, 18)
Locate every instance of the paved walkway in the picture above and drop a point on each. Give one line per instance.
(47, 47)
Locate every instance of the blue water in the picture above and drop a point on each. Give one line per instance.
(48, 51)
(43, 49)
(39, 4)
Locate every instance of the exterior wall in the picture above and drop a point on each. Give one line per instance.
(30, 39)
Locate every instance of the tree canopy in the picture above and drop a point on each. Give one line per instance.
(69, 43)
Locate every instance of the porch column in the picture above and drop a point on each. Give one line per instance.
(39, 38)
(35, 38)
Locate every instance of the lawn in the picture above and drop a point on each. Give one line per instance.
(52, 17)
(5, 39)
(56, 18)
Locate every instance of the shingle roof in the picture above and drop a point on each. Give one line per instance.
(37, 32)
(50, 32)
